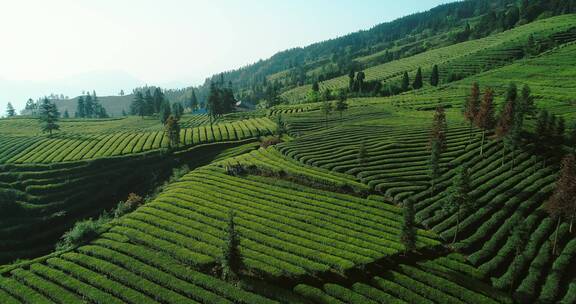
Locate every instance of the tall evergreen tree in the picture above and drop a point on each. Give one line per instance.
(165, 111)
(177, 110)
(66, 114)
(172, 131)
(315, 87)
(88, 106)
(81, 108)
(341, 104)
(149, 106)
(48, 116)
(434, 165)
(472, 106)
(193, 102)
(231, 259)
(505, 125)
(485, 117)
(439, 127)
(360, 77)
(10, 112)
(458, 199)
(418, 83)
(405, 82)
(351, 80)
(138, 105)
(408, 233)
(158, 100)
(435, 76)
(561, 205)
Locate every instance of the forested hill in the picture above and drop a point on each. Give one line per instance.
(441, 26)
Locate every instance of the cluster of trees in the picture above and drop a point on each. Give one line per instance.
(340, 106)
(155, 103)
(221, 99)
(89, 107)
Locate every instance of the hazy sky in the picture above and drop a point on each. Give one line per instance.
(61, 46)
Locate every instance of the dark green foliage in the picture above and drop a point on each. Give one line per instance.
(172, 128)
(405, 82)
(435, 76)
(341, 104)
(66, 114)
(315, 86)
(418, 80)
(434, 165)
(149, 103)
(231, 258)
(157, 101)
(48, 116)
(81, 233)
(326, 110)
(458, 199)
(193, 101)
(165, 111)
(10, 110)
(408, 234)
(177, 110)
(138, 106)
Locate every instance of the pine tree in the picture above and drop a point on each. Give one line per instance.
(351, 81)
(165, 111)
(435, 76)
(231, 258)
(561, 204)
(213, 104)
(505, 125)
(193, 103)
(81, 108)
(405, 82)
(149, 104)
(471, 107)
(439, 126)
(360, 77)
(485, 117)
(315, 87)
(341, 104)
(138, 105)
(48, 116)
(527, 102)
(158, 100)
(458, 199)
(10, 112)
(408, 233)
(418, 80)
(66, 114)
(172, 131)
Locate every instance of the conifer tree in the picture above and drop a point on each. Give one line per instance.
(351, 80)
(458, 199)
(561, 205)
(505, 125)
(408, 233)
(10, 112)
(149, 104)
(193, 103)
(138, 105)
(418, 80)
(360, 77)
(165, 111)
(157, 101)
(435, 76)
(177, 110)
(439, 127)
(434, 165)
(48, 116)
(315, 86)
(472, 106)
(88, 106)
(485, 117)
(172, 131)
(405, 82)
(231, 258)
(81, 108)
(341, 104)
(527, 102)
(66, 114)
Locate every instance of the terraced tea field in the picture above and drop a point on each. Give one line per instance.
(65, 146)
(467, 58)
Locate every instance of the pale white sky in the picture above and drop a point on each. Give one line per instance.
(61, 46)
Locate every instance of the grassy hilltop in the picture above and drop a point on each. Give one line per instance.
(309, 201)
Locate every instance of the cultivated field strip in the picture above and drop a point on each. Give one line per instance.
(73, 147)
(441, 280)
(397, 158)
(111, 271)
